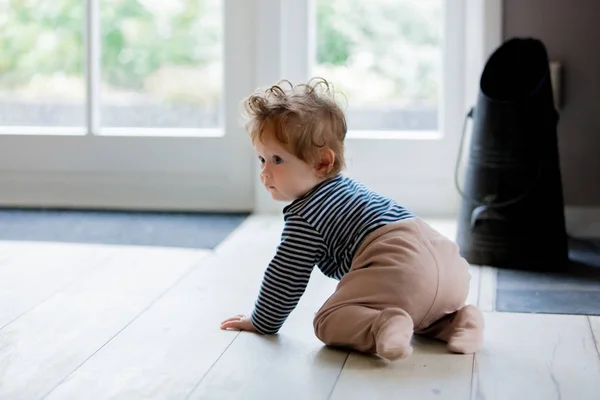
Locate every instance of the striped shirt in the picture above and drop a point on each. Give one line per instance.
(324, 227)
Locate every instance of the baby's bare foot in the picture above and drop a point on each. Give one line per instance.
(467, 335)
(393, 338)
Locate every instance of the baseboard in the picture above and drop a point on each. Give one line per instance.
(583, 222)
(131, 190)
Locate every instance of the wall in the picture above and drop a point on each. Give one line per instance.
(571, 33)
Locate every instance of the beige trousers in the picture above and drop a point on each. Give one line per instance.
(403, 269)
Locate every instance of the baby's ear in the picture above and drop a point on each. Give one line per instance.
(325, 164)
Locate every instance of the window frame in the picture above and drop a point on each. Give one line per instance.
(166, 169)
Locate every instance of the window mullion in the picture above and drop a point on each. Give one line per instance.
(298, 36)
(92, 65)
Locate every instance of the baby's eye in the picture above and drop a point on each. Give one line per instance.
(277, 160)
(261, 160)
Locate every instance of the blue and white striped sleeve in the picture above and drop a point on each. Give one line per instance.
(287, 275)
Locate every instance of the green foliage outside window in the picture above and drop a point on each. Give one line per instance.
(395, 42)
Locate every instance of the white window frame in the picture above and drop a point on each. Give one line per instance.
(176, 169)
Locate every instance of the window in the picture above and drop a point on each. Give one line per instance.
(385, 56)
(161, 63)
(151, 64)
(179, 69)
(42, 63)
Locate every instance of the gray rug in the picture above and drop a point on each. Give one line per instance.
(186, 230)
(577, 292)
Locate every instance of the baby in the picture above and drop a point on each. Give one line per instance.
(397, 276)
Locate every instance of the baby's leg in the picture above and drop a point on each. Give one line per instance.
(449, 319)
(393, 282)
(462, 330)
(387, 333)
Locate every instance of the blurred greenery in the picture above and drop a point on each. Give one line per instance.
(380, 49)
(39, 37)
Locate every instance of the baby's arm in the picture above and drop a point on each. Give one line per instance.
(287, 275)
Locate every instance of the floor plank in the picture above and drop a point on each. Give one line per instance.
(45, 345)
(30, 272)
(595, 324)
(5, 251)
(131, 328)
(295, 362)
(487, 288)
(537, 357)
(241, 371)
(187, 342)
(429, 373)
(473, 297)
(181, 329)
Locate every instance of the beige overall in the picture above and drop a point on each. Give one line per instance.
(405, 278)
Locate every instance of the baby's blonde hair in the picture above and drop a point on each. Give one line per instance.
(304, 118)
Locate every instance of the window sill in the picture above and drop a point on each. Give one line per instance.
(163, 132)
(395, 135)
(122, 132)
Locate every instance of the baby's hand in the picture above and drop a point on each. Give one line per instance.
(239, 322)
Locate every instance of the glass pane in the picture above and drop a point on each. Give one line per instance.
(161, 63)
(385, 56)
(41, 63)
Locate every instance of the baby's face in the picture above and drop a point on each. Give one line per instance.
(283, 174)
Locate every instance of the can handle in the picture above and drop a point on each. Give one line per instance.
(473, 200)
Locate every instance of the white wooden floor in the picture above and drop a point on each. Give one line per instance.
(111, 322)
